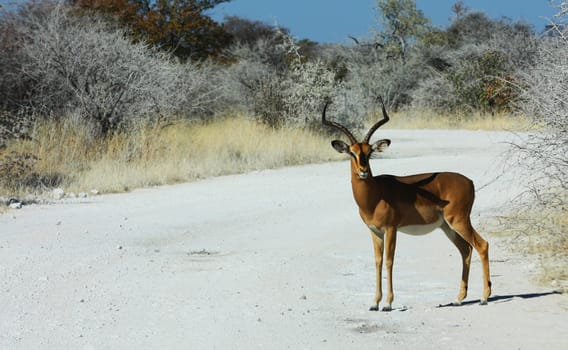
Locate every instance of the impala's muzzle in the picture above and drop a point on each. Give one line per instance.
(363, 174)
(363, 166)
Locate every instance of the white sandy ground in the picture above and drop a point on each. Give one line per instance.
(269, 260)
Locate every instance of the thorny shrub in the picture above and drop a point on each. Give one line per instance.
(18, 170)
(278, 84)
(543, 156)
(84, 66)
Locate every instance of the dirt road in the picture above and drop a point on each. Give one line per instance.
(269, 260)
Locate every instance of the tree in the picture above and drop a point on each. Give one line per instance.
(459, 9)
(544, 97)
(403, 22)
(245, 31)
(540, 158)
(178, 26)
(60, 65)
(562, 6)
(473, 63)
(279, 85)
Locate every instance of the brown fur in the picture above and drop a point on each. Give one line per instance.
(387, 203)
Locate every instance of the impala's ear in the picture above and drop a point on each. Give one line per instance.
(380, 145)
(340, 146)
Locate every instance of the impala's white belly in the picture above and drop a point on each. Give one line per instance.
(417, 230)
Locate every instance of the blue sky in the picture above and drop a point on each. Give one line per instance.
(329, 21)
(333, 20)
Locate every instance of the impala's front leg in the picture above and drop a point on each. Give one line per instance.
(390, 243)
(378, 247)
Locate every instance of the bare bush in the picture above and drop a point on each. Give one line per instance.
(257, 80)
(472, 64)
(517, 42)
(436, 93)
(311, 83)
(14, 126)
(562, 6)
(13, 85)
(278, 84)
(542, 158)
(18, 170)
(96, 72)
(372, 72)
(249, 32)
(15, 166)
(82, 66)
(196, 91)
(545, 99)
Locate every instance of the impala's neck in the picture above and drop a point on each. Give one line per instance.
(365, 190)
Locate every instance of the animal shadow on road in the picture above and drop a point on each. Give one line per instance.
(503, 298)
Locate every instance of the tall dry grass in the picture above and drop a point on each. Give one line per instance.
(68, 156)
(183, 152)
(428, 119)
(65, 154)
(540, 232)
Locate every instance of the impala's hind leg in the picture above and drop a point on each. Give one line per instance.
(465, 251)
(463, 227)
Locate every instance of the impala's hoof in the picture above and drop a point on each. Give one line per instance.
(457, 303)
(387, 308)
(374, 308)
(483, 302)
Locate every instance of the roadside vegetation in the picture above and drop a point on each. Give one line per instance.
(540, 223)
(116, 95)
(65, 155)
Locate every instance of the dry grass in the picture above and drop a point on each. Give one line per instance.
(425, 119)
(69, 157)
(183, 152)
(64, 154)
(541, 231)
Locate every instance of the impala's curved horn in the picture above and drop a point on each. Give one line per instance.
(379, 123)
(338, 126)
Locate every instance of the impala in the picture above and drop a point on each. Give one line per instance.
(415, 204)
